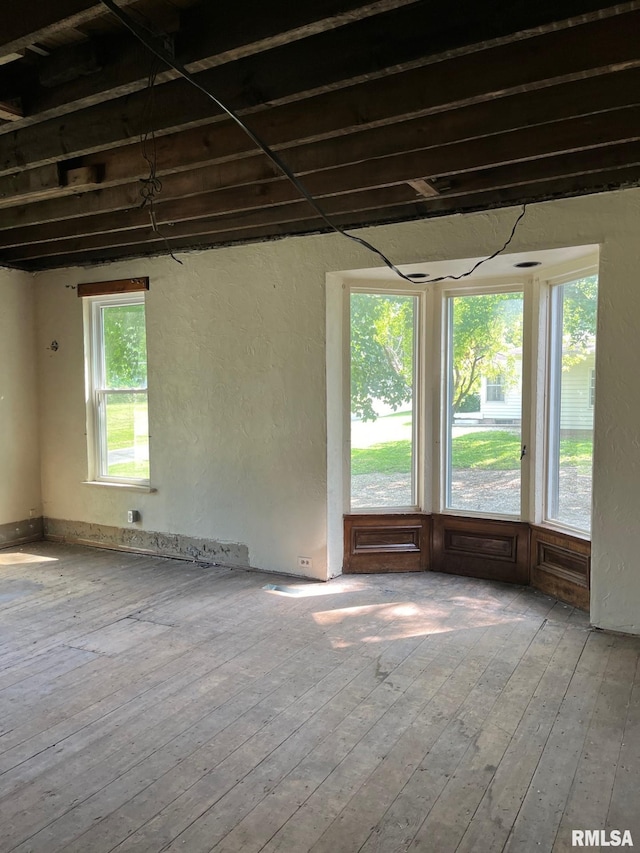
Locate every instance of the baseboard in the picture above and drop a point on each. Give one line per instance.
(150, 542)
(21, 532)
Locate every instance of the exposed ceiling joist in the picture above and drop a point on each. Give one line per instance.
(10, 110)
(264, 225)
(480, 76)
(182, 217)
(37, 21)
(346, 114)
(598, 167)
(11, 57)
(211, 35)
(387, 110)
(363, 160)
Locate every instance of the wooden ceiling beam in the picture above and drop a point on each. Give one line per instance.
(356, 109)
(612, 159)
(291, 211)
(372, 104)
(250, 182)
(224, 32)
(481, 76)
(213, 35)
(263, 225)
(210, 35)
(181, 215)
(29, 184)
(575, 165)
(11, 110)
(36, 20)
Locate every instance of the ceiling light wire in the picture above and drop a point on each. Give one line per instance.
(161, 53)
(484, 260)
(151, 185)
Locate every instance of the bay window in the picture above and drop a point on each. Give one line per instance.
(474, 398)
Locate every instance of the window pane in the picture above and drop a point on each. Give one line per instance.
(485, 403)
(382, 408)
(127, 436)
(571, 399)
(125, 346)
(495, 389)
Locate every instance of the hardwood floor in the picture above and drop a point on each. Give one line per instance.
(153, 705)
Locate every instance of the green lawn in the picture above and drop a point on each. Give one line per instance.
(493, 450)
(392, 457)
(136, 469)
(120, 432)
(120, 423)
(489, 450)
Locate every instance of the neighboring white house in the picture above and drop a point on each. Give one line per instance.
(501, 400)
(578, 395)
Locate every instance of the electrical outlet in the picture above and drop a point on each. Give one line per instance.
(305, 563)
(132, 516)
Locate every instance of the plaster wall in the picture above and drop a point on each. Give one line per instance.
(236, 341)
(236, 402)
(19, 446)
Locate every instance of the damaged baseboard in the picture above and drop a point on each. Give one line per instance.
(21, 532)
(147, 542)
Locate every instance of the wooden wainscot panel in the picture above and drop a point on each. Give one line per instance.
(387, 543)
(481, 548)
(561, 566)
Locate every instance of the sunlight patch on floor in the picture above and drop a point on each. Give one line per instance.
(311, 590)
(20, 558)
(412, 621)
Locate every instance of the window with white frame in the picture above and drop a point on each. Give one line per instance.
(449, 411)
(383, 352)
(495, 389)
(483, 335)
(571, 395)
(117, 402)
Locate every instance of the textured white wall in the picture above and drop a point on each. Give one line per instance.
(236, 402)
(19, 447)
(237, 386)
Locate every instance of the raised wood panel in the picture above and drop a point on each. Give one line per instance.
(561, 566)
(563, 562)
(500, 547)
(405, 539)
(482, 548)
(511, 551)
(387, 543)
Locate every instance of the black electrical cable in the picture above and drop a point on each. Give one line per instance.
(151, 186)
(161, 53)
(484, 260)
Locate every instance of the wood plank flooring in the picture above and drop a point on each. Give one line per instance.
(152, 705)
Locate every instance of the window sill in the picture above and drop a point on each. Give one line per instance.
(383, 510)
(565, 529)
(131, 487)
